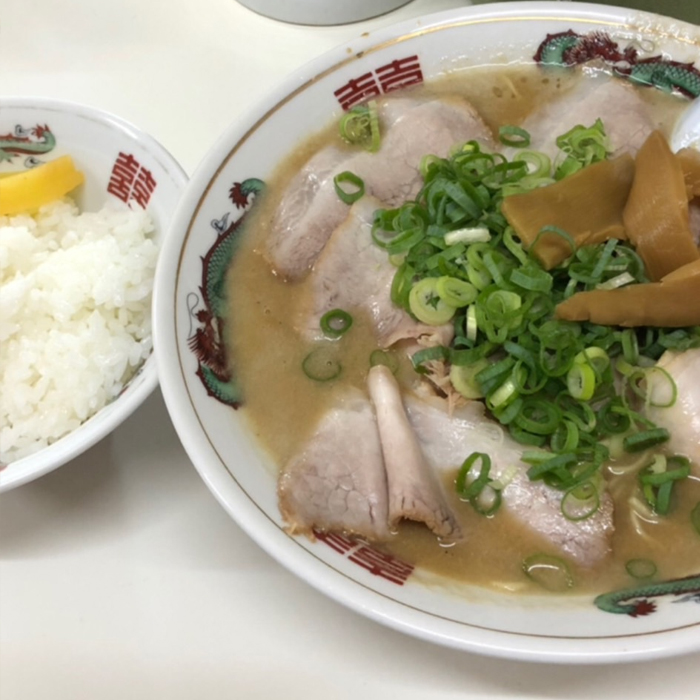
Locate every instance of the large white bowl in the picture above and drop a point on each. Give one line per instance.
(238, 471)
(95, 139)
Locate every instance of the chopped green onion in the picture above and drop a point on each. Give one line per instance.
(478, 234)
(665, 395)
(426, 304)
(630, 346)
(476, 487)
(550, 572)
(360, 126)
(500, 397)
(488, 501)
(384, 357)
(431, 354)
(357, 189)
(514, 136)
(617, 282)
(553, 464)
(539, 164)
(641, 568)
(566, 437)
(463, 378)
(472, 325)
(456, 292)
(467, 489)
(695, 518)
(539, 417)
(659, 476)
(582, 146)
(663, 498)
(514, 247)
(321, 365)
(581, 382)
(580, 502)
(532, 278)
(557, 232)
(509, 411)
(646, 439)
(505, 479)
(335, 323)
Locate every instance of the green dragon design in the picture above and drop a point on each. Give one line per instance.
(207, 342)
(35, 141)
(634, 601)
(569, 49)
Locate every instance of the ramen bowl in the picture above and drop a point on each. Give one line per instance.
(210, 416)
(122, 166)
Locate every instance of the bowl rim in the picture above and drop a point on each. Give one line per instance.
(241, 507)
(70, 446)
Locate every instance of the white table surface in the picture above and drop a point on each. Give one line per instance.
(120, 575)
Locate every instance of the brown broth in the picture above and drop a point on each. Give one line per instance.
(282, 405)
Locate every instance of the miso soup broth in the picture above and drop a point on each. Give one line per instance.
(283, 406)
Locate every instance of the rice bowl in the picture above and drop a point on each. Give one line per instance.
(75, 309)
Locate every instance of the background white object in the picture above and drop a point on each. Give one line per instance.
(322, 11)
(120, 575)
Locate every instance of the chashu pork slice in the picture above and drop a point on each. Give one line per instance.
(337, 481)
(414, 490)
(310, 209)
(354, 273)
(448, 439)
(682, 419)
(618, 105)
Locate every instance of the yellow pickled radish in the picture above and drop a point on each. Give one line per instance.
(31, 189)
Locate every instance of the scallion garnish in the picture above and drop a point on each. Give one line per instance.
(552, 383)
(455, 292)
(384, 357)
(581, 501)
(321, 364)
(641, 568)
(510, 135)
(360, 126)
(474, 484)
(463, 378)
(581, 146)
(335, 323)
(478, 234)
(658, 478)
(550, 572)
(581, 382)
(695, 518)
(646, 439)
(427, 305)
(357, 187)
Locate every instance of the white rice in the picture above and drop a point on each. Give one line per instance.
(75, 298)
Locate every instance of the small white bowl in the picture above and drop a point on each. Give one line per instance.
(95, 139)
(220, 442)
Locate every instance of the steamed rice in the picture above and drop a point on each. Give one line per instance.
(75, 296)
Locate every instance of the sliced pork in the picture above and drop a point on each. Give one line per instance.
(414, 491)
(353, 273)
(310, 209)
(682, 419)
(618, 105)
(337, 481)
(448, 439)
